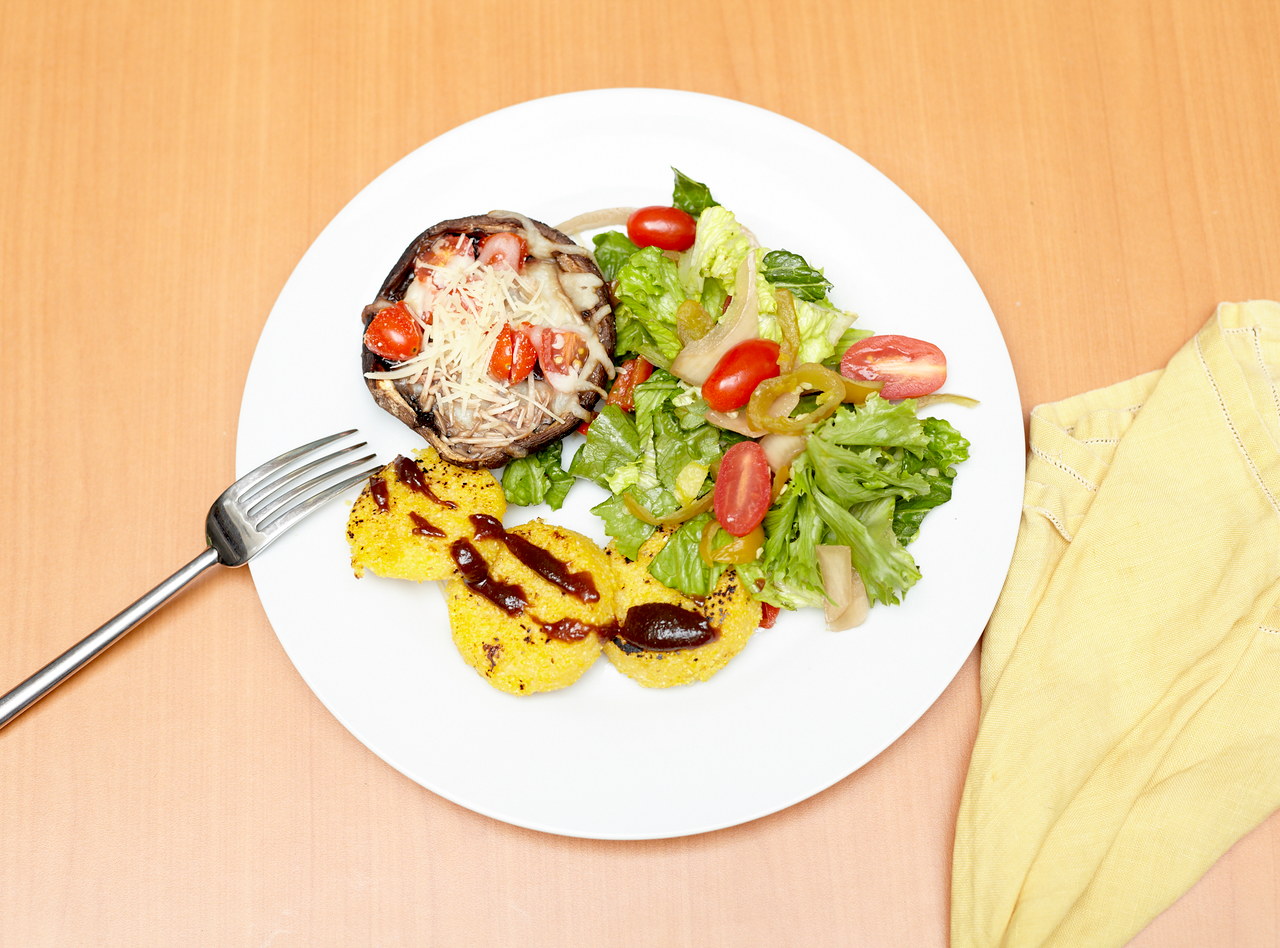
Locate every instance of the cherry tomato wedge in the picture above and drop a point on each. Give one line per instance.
(394, 334)
(739, 371)
(908, 367)
(768, 615)
(667, 228)
(514, 356)
(743, 488)
(560, 351)
(504, 250)
(631, 374)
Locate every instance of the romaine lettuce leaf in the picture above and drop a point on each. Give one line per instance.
(718, 250)
(627, 532)
(680, 566)
(650, 292)
(613, 249)
(537, 478)
(848, 338)
(790, 271)
(692, 197)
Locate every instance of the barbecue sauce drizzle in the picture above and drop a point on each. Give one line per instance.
(653, 626)
(378, 490)
(423, 527)
(475, 573)
(410, 475)
(552, 569)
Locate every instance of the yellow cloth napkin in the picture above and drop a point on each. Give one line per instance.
(1130, 727)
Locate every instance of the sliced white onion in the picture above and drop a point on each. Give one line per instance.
(605, 217)
(781, 449)
(741, 321)
(847, 603)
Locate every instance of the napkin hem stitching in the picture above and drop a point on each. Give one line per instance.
(1052, 518)
(1064, 468)
(1226, 416)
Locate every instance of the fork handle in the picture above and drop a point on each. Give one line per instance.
(95, 643)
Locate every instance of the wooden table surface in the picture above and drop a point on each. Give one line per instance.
(1109, 170)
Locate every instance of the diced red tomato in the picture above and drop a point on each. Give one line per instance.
(667, 228)
(908, 367)
(743, 488)
(739, 371)
(630, 374)
(504, 250)
(394, 334)
(514, 355)
(585, 425)
(768, 615)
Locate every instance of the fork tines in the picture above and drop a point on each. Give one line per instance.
(283, 490)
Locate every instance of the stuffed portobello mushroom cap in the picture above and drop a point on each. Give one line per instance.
(449, 393)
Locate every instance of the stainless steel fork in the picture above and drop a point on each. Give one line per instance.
(248, 515)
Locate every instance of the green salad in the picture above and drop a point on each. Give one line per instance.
(753, 420)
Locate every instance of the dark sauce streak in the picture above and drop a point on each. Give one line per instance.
(554, 570)
(665, 627)
(440, 501)
(410, 475)
(475, 573)
(487, 528)
(575, 630)
(423, 527)
(378, 491)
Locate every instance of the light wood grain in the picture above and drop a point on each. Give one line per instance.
(1108, 170)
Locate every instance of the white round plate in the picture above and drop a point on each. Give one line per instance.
(801, 707)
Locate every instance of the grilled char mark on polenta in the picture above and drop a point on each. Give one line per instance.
(535, 637)
(502, 341)
(404, 521)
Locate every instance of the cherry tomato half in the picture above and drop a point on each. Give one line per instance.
(908, 367)
(742, 492)
(514, 355)
(560, 351)
(631, 374)
(667, 228)
(503, 250)
(394, 334)
(739, 371)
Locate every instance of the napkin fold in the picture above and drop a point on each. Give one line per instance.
(1130, 728)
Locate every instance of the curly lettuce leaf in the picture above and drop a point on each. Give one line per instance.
(946, 448)
(866, 479)
(878, 422)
